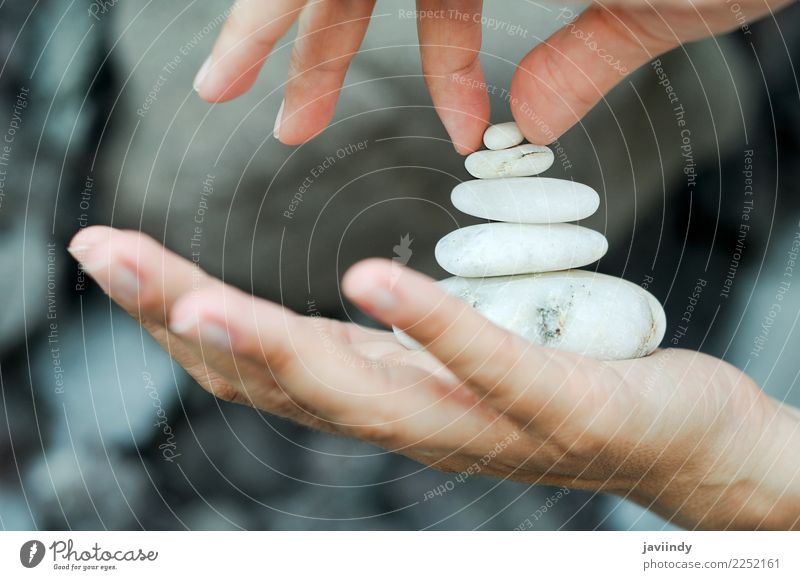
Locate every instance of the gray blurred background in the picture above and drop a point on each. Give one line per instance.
(86, 393)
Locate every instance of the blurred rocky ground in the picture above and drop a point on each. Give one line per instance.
(105, 128)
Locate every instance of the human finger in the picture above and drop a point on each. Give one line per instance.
(330, 34)
(244, 43)
(450, 44)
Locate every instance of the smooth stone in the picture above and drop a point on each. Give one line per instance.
(521, 161)
(499, 249)
(530, 200)
(587, 313)
(503, 136)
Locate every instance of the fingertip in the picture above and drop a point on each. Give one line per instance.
(296, 136)
(465, 118)
(183, 323)
(217, 97)
(372, 286)
(385, 289)
(365, 276)
(468, 141)
(195, 316)
(193, 312)
(302, 120)
(213, 305)
(223, 83)
(100, 246)
(202, 73)
(185, 313)
(88, 237)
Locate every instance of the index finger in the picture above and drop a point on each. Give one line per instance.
(246, 40)
(514, 375)
(450, 44)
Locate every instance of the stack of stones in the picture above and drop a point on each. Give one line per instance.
(517, 270)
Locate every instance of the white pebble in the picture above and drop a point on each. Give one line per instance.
(500, 249)
(583, 312)
(503, 136)
(521, 161)
(530, 200)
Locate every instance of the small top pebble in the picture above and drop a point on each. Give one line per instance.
(502, 136)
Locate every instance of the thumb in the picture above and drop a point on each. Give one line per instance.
(512, 374)
(560, 80)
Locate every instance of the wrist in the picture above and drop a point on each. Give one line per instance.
(776, 472)
(750, 482)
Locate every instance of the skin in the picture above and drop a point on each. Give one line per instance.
(555, 84)
(682, 433)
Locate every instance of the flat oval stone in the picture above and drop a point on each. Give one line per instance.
(587, 313)
(499, 249)
(521, 161)
(530, 200)
(503, 136)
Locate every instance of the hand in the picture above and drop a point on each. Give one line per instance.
(555, 85)
(682, 433)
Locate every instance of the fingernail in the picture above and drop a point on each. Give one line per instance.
(276, 130)
(78, 252)
(450, 124)
(380, 299)
(461, 147)
(124, 284)
(86, 239)
(211, 334)
(461, 150)
(215, 335)
(183, 326)
(201, 75)
(119, 282)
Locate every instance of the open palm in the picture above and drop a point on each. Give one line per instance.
(679, 430)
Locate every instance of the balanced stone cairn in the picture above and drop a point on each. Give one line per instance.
(517, 269)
